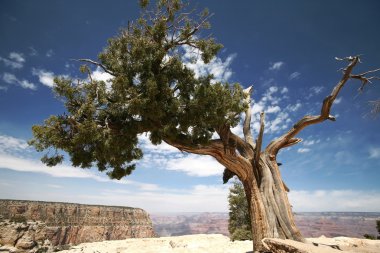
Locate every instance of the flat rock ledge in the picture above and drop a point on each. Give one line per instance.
(323, 245)
(216, 243)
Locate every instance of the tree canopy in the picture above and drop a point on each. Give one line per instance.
(151, 91)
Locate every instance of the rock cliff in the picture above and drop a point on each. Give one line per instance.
(34, 224)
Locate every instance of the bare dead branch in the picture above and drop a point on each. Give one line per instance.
(247, 121)
(97, 64)
(259, 140)
(285, 140)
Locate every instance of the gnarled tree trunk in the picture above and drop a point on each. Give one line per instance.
(270, 210)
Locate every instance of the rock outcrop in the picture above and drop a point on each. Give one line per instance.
(34, 224)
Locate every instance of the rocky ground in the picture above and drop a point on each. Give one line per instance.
(216, 243)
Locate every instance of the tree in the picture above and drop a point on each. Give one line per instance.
(373, 237)
(152, 91)
(239, 222)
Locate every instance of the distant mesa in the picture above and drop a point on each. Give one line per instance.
(26, 225)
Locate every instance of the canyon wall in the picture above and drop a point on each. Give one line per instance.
(26, 224)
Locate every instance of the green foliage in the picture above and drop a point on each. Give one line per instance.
(370, 237)
(373, 237)
(239, 222)
(18, 219)
(152, 91)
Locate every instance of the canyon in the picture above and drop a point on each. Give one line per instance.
(315, 224)
(27, 225)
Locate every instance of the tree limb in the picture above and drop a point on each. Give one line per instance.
(97, 64)
(259, 141)
(247, 121)
(215, 148)
(288, 138)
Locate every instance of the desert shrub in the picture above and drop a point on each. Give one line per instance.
(370, 237)
(42, 250)
(18, 219)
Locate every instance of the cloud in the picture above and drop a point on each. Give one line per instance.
(316, 89)
(277, 118)
(12, 79)
(294, 75)
(17, 57)
(45, 77)
(29, 165)
(276, 65)
(374, 153)
(15, 60)
(56, 186)
(170, 158)
(33, 51)
(199, 198)
(335, 200)
(49, 53)
(284, 90)
(100, 75)
(303, 150)
(12, 149)
(9, 143)
(295, 107)
(217, 67)
(195, 165)
(338, 100)
(310, 142)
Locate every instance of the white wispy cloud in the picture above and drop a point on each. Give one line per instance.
(338, 100)
(217, 67)
(15, 60)
(295, 107)
(277, 117)
(99, 75)
(12, 156)
(276, 65)
(56, 186)
(294, 75)
(45, 77)
(170, 158)
(335, 200)
(303, 150)
(33, 51)
(9, 143)
(374, 153)
(199, 198)
(195, 165)
(284, 90)
(49, 53)
(310, 142)
(317, 89)
(12, 79)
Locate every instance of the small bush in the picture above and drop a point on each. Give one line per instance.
(370, 237)
(18, 219)
(42, 250)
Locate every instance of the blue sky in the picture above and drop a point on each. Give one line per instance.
(285, 49)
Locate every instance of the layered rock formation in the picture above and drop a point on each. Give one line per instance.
(32, 224)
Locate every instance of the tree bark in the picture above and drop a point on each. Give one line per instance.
(269, 207)
(270, 210)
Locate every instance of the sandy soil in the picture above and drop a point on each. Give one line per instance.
(215, 243)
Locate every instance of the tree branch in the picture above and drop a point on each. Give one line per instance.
(247, 121)
(97, 64)
(288, 138)
(259, 140)
(215, 148)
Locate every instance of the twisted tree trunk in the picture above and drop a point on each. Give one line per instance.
(269, 207)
